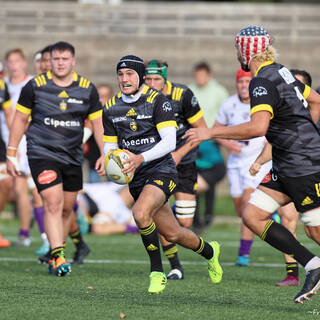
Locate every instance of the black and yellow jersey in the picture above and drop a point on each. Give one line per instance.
(187, 111)
(294, 137)
(134, 126)
(5, 101)
(57, 117)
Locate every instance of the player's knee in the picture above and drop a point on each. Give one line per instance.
(173, 236)
(141, 216)
(185, 210)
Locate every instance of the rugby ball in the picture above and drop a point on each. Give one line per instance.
(113, 165)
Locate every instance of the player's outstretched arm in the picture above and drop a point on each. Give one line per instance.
(17, 130)
(256, 127)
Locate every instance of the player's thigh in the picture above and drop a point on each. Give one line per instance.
(235, 182)
(69, 199)
(203, 186)
(149, 201)
(52, 199)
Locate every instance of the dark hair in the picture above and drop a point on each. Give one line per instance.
(306, 76)
(16, 50)
(62, 46)
(202, 66)
(45, 50)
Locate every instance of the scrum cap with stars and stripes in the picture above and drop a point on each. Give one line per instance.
(251, 41)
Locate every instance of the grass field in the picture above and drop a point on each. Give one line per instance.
(114, 280)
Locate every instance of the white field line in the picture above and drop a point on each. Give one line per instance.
(109, 261)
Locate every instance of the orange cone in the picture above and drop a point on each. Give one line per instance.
(4, 242)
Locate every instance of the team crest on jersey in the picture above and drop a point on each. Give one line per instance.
(267, 178)
(63, 105)
(167, 106)
(194, 101)
(259, 91)
(133, 125)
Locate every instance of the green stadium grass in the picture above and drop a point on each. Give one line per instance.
(104, 290)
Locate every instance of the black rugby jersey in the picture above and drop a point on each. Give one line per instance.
(57, 117)
(187, 111)
(5, 101)
(294, 137)
(134, 126)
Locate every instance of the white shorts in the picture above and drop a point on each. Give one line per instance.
(23, 159)
(241, 179)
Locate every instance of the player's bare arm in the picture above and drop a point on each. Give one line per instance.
(18, 129)
(264, 156)
(97, 128)
(233, 146)
(257, 127)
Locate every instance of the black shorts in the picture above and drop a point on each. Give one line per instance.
(3, 157)
(49, 173)
(214, 174)
(304, 191)
(187, 174)
(167, 182)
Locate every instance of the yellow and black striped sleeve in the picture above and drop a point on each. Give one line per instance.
(109, 135)
(26, 99)
(190, 107)
(264, 96)
(163, 115)
(95, 108)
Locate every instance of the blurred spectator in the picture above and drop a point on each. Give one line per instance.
(37, 62)
(208, 91)
(45, 64)
(210, 164)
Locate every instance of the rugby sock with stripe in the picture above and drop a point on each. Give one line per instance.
(171, 252)
(76, 238)
(282, 239)
(292, 269)
(57, 252)
(150, 240)
(204, 249)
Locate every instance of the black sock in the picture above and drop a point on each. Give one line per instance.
(292, 269)
(57, 252)
(76, 238)
(171, 252)
(150, 240)
(282, 239)
(204, 249)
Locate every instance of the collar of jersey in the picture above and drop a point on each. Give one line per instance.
(267, 63)
(75, 75)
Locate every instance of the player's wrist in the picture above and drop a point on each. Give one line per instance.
(12, 151)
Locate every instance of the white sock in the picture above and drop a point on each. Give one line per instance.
(44, 238)
(314, 263)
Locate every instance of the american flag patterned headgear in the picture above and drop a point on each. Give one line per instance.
(251, 41)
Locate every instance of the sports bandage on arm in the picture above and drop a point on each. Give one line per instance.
(12, 156)
(109, 146)
(87, 133)
(166, 145)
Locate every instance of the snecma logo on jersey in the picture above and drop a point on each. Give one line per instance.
(138, 142)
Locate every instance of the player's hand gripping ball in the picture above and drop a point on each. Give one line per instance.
(113, 165)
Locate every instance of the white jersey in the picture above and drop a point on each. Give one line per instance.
(233, 112)
(107, 199)
(14, 91)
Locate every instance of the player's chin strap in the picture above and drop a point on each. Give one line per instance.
(132, 97)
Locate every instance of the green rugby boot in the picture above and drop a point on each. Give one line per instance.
(158, 281)
(214, 268)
